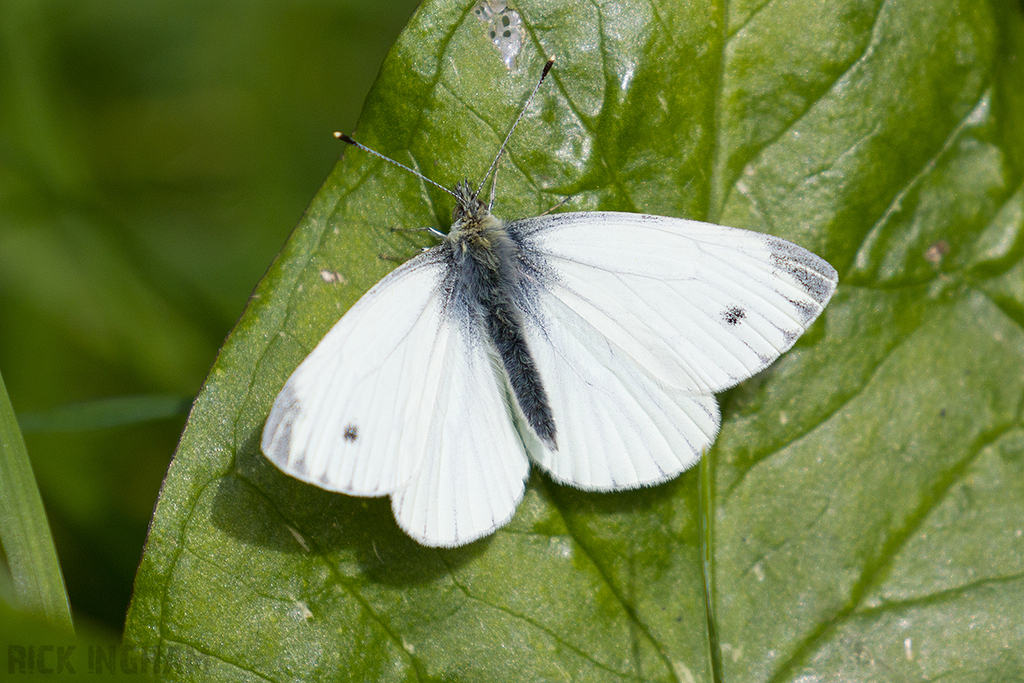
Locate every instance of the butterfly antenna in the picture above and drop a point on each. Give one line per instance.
(346, 139)
(501, 150)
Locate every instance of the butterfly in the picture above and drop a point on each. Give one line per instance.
(590, 344)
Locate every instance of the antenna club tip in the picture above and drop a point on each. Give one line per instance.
(547, 67)
(344, 138)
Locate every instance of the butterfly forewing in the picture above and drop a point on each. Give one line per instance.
(699, 306)
(356, 415)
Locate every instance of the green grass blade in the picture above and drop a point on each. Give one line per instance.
(24, 530)
(104, 413)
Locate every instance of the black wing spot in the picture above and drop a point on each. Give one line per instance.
(351, 433)
(733, 315)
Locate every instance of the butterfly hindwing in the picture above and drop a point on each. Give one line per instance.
(472, 475)
(618, 427)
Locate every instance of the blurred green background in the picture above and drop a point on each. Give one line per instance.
(154, 157)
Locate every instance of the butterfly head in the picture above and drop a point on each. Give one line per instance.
(468, 206)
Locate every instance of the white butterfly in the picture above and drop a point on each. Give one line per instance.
(590, 343)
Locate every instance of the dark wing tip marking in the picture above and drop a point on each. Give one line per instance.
(806, 312)
(277, 432)
(814, 274)
(299, 466)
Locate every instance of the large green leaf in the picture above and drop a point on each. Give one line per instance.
(861, 508)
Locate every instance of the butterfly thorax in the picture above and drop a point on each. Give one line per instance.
(476, 231)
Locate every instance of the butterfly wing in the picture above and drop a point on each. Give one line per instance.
(354, 416)
(617, 426)
(400, 397)
(636, 321)
(473, 471)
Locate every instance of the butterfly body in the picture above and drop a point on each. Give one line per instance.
(491, 290)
